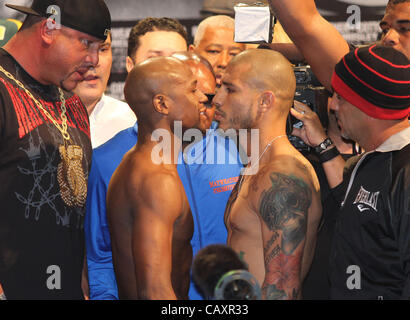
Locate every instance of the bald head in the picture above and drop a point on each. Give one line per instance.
(201, 68)
(266, 70)
(153, 77)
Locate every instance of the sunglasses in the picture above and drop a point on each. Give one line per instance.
(210, 96)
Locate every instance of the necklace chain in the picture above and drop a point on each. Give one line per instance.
(260, 156)
(63, 127)
(269, 144)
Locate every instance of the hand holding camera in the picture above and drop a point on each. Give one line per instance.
(312, 132)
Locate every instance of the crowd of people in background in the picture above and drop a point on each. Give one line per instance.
(88, 213)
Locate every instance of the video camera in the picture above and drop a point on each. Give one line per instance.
(310, 92)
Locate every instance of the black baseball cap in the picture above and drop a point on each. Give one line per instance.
(88, 16)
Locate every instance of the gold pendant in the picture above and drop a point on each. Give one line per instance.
(70, 176)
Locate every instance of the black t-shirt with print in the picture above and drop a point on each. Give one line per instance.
(41, 238)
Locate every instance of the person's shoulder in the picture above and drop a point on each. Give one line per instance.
(117, 104)
(160, 190)
(292, 164)
(401, 160)
(118, 110)
(119, 144)
(286, 174)
(162, 181)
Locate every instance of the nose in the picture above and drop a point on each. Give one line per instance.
(333, 104)
(203, 99)
(93, 56)
(216, 101)
(391, 38)
(223, 59)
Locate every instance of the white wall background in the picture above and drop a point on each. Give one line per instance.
(130, 9)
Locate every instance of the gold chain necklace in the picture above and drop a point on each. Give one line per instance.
(70, 175)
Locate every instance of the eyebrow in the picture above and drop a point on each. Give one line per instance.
(155, 51)
(219, 46)
(384, 23)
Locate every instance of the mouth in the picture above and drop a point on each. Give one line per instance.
(80, 74)
(91, 79)
(218, 116)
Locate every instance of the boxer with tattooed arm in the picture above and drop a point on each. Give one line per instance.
(273, 214)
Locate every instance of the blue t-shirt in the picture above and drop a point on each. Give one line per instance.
(208, 179)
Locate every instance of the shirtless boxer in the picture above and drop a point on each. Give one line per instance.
(148, 213)
(272, 216)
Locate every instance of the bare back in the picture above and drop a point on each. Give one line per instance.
(272, 219)
(151, 226)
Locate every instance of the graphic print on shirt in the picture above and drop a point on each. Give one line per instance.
(366, 200)
(29, 116)
(43, 159)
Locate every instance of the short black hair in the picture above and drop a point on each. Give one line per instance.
(153, 24)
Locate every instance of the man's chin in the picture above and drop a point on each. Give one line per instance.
(69, 85)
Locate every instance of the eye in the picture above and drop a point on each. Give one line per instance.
(213, 51)
(104, 49)
(403, 29)
(385, 30)
(86, 43)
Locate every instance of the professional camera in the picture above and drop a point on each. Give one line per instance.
(310, 92)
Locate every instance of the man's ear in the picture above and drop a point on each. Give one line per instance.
(48, 29)
(129, 64)
(162, 104)
(266, 101)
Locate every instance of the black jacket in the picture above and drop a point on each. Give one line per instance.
(370, 257)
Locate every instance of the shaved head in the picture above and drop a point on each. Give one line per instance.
(266, 70)
(257, 90)
(163, 90)
(154, 76)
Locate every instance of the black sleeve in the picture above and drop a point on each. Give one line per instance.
(400, 202)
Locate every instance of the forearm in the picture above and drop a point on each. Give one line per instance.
(289, 50)
(155, 285)
(334, 171)
(84, 280)
(319, 42)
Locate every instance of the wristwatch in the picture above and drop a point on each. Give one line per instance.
(323, 145)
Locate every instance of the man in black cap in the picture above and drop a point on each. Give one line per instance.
(370, 257)
(45, 148)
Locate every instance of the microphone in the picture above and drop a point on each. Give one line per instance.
(221, 275)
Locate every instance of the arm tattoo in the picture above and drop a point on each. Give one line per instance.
(283, 208)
